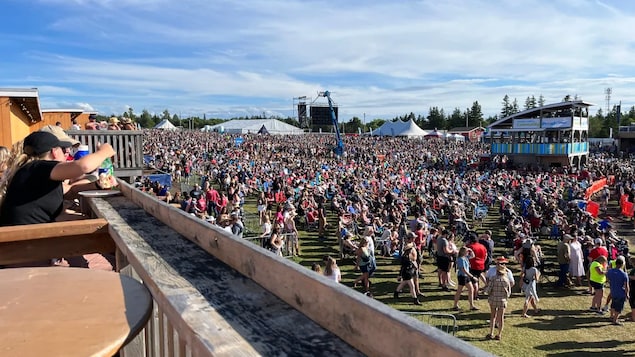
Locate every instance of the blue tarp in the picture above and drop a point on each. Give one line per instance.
(164, 179)
(147, 159)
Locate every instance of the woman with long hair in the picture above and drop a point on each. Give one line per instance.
(365, 263)
(465, 278)
(32, 191)
(409, 270)
(528, 279)
(331, 270)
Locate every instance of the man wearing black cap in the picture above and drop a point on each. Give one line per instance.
(33, 186)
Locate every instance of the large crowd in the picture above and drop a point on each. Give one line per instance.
(391, 196)
(410, 199)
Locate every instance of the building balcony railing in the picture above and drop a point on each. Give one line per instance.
(215, 294)
(127, 143)
(540, 149)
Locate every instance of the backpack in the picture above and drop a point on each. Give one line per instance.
(405, 257)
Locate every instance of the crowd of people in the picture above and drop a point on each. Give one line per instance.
(412, 199)
(387, 191)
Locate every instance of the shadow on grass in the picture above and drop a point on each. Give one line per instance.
(587, 321)
(581, 348)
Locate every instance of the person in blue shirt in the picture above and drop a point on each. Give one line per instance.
(605, 224)
(618, 279)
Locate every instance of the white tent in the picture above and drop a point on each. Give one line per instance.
(165, 124)
(254, 126)
(400, 128)
(458, 137)
(435, 135)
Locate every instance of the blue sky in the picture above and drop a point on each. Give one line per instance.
(379, 58)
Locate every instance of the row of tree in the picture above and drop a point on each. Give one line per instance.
(600, 124)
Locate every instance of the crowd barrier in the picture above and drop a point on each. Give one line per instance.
(626, 207)
(595, 187)
(593, 208)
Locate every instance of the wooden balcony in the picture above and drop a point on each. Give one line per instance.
(218, 295)
(127, 143)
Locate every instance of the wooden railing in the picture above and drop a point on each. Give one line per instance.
(215, 293)
(34, 242)
(127, 143)
(219, 295)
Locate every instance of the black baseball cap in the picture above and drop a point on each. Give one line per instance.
(39, 142)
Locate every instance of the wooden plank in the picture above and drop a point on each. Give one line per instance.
(372, 327)
(83, 227)
(24, 251)
(214, 309)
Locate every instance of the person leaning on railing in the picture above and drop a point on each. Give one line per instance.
(32, 191)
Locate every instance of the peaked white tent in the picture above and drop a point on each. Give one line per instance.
(254, 126)
(400, 128)
(165, 124)
(435, 135)
(457, 137)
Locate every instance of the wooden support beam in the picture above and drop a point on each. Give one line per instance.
(28, 243)
(50, 230)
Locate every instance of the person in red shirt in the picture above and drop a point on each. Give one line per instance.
(420, 239)
(212, 197)
(477, 262)
(599, 250)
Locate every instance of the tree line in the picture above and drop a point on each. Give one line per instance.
(600, 124)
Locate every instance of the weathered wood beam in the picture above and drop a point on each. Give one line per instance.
(50, 230)
(29, 243)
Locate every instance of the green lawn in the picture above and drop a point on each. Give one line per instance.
(563, 328)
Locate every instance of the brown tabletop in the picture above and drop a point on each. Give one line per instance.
(59, 311)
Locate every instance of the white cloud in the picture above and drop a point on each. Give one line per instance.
(382, 58)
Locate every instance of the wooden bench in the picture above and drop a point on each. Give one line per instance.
(34, 242)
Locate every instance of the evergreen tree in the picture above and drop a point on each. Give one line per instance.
(541, 101)
(475, 115)
(145, 120)
(507, 107)
(515, 106)
(530, 103)
(436, 119)
(456, 119)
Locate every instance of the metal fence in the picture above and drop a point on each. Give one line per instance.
(444, 322)
(287, 246)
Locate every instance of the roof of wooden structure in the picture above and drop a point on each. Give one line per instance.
(27, 99)
(534, 112)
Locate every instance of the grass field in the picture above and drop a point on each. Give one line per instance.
(564, 327)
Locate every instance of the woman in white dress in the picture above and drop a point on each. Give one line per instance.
(576, 263)
(331, 270)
